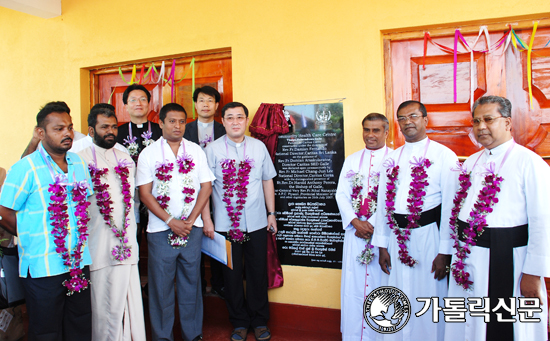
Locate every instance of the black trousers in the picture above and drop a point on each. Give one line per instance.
(52, 314)
(252, 311)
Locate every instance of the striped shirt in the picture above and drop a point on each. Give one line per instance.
(26, 192)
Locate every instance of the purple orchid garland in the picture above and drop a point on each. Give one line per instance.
(476, 222)
(60, 221)
(185, 166)
(147, 138)
(103, 198)
(415, 202)
(236, 181)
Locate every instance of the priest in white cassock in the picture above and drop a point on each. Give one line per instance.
(117, 308)
(412, 230)
(512, 255)
(356, 197)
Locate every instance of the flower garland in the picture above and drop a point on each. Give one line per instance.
(236, 181)
(206, 141)
(147, 138)
(58, 209)
(363, 208)
(415, 201)
(103, 198)
(476, 221)
(132, 147)
(131, 141)
(162, 173)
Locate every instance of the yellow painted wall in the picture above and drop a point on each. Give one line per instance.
(283, 51)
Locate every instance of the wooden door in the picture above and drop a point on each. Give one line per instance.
(212, 69)
(502, 73)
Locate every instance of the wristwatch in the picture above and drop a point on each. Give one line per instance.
(272, 213)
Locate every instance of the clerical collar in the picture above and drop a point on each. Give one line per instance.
(102, 150)
(376, 150)
(205, 125)
(417, 144)
(235, 144)
(500, 149)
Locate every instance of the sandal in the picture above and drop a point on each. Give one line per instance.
(262, 333)
(239, 334)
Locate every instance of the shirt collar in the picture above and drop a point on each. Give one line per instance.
(420, 143)
(233, 144)
(500, 149)
(377, 151)
(49, 158)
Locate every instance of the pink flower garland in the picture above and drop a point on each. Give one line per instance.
(60, 221)
(415, 201)
(185, 166)
(234, 181)
(103, 198)
(476, 221)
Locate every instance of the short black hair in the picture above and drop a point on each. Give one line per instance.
(374, 116)
(59, 107)
(407, 103)
(171, 107)
(231, 105)
(207, 90)
(504, 105)
(100, 109)
(132, 88)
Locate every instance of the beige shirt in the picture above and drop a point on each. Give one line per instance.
(102, 240)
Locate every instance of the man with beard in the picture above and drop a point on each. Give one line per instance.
(356, 197)
(412, 230)
(87, 141)
(508, 255)
(43, 202)
(117, 310)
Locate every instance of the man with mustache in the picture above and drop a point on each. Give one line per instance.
(415, 198)
(117, 310)
(360, 270)
(509, 255)
(87, 141)
(174, 183)
(203, 131)
(43, 202)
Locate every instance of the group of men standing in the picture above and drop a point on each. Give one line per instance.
(76, 217)
(415, 215)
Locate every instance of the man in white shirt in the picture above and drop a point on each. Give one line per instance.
(360, 270)
(117, 307)
(412, 228)
(174, 183)
(509, 253)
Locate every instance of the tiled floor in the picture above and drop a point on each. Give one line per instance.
(216, 326)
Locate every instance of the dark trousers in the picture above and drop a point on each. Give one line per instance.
(52, 314)
(216, 271)
(254, 310)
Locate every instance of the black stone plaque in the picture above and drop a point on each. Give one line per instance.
(308, 161)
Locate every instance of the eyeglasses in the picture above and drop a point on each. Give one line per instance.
(412, 117)
(238, 119)
(134, 100)
(487, 119)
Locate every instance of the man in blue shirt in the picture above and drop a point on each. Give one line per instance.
(53, 262)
